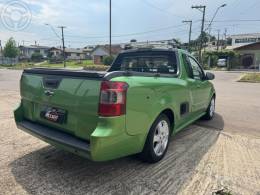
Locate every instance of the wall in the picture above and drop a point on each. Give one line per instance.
(8, 61)
(256, 54)
(27, 52)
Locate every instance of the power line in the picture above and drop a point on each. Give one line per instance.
(159, 9)
(131, 34)
(252, 20)
(254, 4)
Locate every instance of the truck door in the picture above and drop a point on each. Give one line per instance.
(199, 88)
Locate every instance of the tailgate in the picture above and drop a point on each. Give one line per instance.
(72, 94)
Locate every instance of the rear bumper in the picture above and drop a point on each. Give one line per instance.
(108, 141)
(56, 137)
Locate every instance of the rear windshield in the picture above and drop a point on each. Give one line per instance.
(149, 62)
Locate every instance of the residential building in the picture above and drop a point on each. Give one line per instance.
(101, 51)
(244, 39)
(70, 53)
(55, 52)
(88, 51)
(249, 55)
(75, 54)
(27, 51)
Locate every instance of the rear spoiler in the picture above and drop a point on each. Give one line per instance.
(65, 72)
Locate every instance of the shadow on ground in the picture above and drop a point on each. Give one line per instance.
(52, 171)
(216, 123)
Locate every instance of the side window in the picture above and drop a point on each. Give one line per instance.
(196, 69)
(187, 65)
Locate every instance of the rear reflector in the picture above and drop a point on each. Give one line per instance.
(112, 98)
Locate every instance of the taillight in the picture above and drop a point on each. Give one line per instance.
(112, 100)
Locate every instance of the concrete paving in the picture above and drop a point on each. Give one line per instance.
(203, 158)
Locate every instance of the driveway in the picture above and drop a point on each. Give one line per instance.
(203, 158)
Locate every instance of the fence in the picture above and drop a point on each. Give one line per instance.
(8, 61)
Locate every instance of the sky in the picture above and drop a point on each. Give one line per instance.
(87, 21)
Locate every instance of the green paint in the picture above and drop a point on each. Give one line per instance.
(114, 137)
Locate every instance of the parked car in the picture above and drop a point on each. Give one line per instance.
(145, 97)
(222, 63)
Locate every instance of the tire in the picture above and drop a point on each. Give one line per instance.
(210, 110)
(157, 141)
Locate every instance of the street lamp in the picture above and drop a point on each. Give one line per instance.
(223, 5)
(53, 30)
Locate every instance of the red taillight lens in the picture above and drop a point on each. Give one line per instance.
(112, 98)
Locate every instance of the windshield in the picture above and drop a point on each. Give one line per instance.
(150, 62)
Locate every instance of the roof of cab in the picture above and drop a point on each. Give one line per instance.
(148, 49)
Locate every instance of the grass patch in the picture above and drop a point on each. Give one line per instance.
(20, 66)
(96, 67)
(69, 64)
(250, 77)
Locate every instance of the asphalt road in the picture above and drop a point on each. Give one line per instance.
(203, 158)
(237, 106)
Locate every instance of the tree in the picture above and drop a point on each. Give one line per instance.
(108, 60)
(205, 37)
(36, 57)
(10, 49)
(50, 54)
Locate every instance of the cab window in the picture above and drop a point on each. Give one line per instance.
(147, 62)
(187, 65)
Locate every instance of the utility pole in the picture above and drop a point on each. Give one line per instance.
(189, 22)
(63, 45)
(110, 27)
(225, 33)
(225, 38)
(218, 41)
(201, 8)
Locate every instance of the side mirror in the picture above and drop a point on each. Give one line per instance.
(210, 76)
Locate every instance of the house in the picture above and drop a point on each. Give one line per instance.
(70, 53)
(249, 55)
(101, 51)
(27, 51)
(88, 51)
(243, 39)
(55, 52)
(75, 54)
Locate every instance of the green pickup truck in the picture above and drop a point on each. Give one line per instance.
(133, 108)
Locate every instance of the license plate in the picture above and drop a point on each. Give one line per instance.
(55, 115)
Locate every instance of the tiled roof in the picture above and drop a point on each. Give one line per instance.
(115, 49)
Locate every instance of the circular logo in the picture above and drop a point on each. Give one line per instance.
(16, 15)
